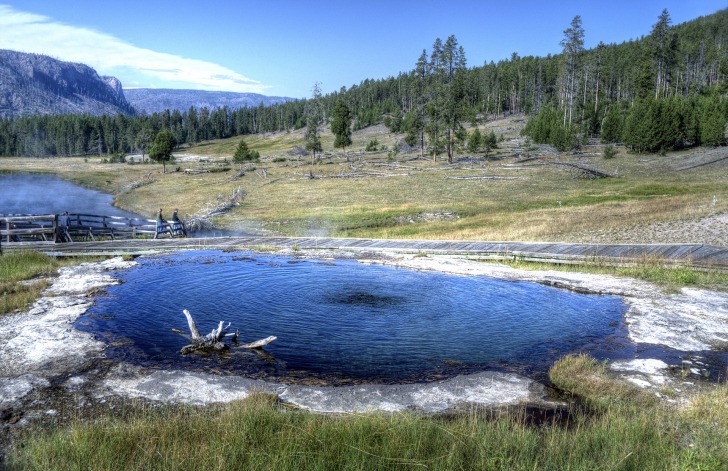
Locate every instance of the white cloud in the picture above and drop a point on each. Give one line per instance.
(29, 32)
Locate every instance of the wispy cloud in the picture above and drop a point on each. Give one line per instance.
(29, 32)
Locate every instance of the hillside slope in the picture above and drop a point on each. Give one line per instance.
(34, 84)
(152, 100)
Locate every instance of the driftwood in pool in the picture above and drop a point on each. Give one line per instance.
(213, 340)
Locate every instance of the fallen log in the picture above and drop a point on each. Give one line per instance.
(582, 171)
(259, 343)
(311, 176)
(203, 219)
(213, 340)
(701, 164)
(481, 177)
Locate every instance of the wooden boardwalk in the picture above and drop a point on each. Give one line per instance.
(697, 255)
(24, 228)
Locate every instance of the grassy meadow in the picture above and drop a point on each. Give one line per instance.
(520, 192)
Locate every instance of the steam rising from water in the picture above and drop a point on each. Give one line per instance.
(47, 194)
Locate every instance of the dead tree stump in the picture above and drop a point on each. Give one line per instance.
(214, 340)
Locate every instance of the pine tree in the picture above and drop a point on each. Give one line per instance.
(314, 119)
(475, 140)
(341, 124)
(244, 154)
(712, 122)
(490, 141)
(672, 131)
(142, 140)
(573, 44)
(446, 108)
(663, 45)
(416, 128)
(162, 148)
(612, 125)
(435, 101)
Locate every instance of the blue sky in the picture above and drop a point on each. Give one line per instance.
(283, 47)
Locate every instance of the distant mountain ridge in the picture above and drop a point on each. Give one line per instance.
(155, 100)
(32, 84)
(35, 84)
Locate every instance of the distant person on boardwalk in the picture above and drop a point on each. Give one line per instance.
(178, 228)
(62, 229)
(161, 224)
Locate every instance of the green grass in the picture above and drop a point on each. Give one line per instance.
(22, 277)
(585, 378)
(620, 428)
(691, 436)
(672, 278)
(679, 276)
(661, 189)
(17, 267)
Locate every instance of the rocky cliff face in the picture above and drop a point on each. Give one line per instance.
(115, 84)
(37, 84)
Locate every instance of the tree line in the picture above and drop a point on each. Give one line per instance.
(677, 100)
(673, 78)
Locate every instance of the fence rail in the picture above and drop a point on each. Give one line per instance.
(54, 228)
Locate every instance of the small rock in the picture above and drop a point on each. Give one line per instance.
(10, 416)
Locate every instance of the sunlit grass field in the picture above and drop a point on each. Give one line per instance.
(509, 196)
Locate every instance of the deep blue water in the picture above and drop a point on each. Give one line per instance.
(341, 320)
(35, 193)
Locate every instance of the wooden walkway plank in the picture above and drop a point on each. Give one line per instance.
(695, 254)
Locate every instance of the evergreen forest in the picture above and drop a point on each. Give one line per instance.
(665, 91)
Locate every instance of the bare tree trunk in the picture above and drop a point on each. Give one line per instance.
(596, 96)
(213, 340)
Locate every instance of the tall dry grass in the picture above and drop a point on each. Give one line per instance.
(619, 428)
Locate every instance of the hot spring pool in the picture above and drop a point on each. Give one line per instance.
(341, 320)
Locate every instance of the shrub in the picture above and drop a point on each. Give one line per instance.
(609, 151)
(117, 158)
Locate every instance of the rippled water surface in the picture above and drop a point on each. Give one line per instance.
(341, 320)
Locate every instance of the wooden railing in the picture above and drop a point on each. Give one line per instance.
(17, 229)
(22, 228)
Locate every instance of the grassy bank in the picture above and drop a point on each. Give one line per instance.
(620, 428)
(24, 276)
(672, 278)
